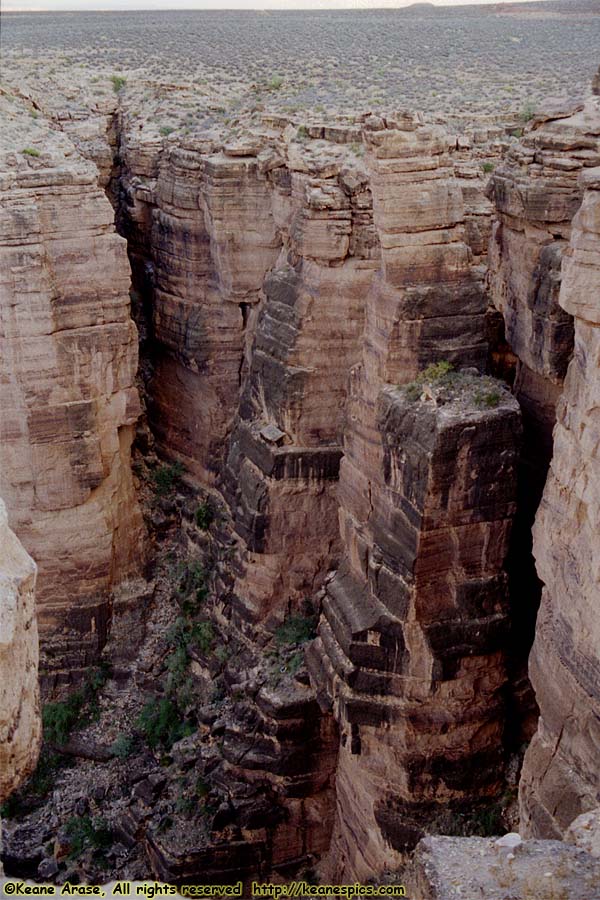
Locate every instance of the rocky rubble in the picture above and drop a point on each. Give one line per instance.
(447, 868)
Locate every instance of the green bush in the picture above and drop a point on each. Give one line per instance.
(166, 478)
(166, 130)
(527, 113)
(123, 746)
(436, 371)
(205, 515)
(160, 724)
(275, 83)
(489, 399)
(30, 151)
(84, 832)
(297, 629)
(178, 634)
(192, 589)
(60, 718)
(202, 636)
(488, 167)
(118, 83)
(413, 391)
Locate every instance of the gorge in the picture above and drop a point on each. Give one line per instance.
(300, 426)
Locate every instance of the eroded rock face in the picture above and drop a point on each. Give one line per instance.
(560, 776)
(69, 404)
(422, 557)
(536, 192)
(283, 463)
(20, 724)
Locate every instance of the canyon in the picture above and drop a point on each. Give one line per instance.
(299, 424)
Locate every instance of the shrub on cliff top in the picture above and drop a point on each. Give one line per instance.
(527, 113)
(118, 83)
(436, 371)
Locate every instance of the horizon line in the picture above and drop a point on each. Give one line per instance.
(319, 5)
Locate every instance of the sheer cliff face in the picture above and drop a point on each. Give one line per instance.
(410, 649)
(20, 726)
(68, 362)
(213, 239)
(536, 192)
(360, 275)
(202, 236)
(560, 776)
(283, 462)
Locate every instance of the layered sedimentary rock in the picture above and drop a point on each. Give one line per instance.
(410, 653)
(69, 404)
(536, 193)
(202, 237)
(283, 463)
(20, 726)
(560, 776)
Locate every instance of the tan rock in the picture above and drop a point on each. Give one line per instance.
(68, 363)
(20, 723)
(411, 669)
(560, 772)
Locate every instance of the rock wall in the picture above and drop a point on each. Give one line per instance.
(536, 193)
(201, 237)
(560, 775)
(410, 653)
(20, 725)
(283, 463)
(68, 362)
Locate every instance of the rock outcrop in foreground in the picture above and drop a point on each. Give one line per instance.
(68, 360)
(20, 726)
(447, 868)
(560, 775)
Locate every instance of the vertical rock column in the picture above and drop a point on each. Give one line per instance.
(20, 726)
(410, 649)
(212, 239)
(68, 357)
(561, 770)
(283, 463)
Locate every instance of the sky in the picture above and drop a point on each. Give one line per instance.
(42, 5)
